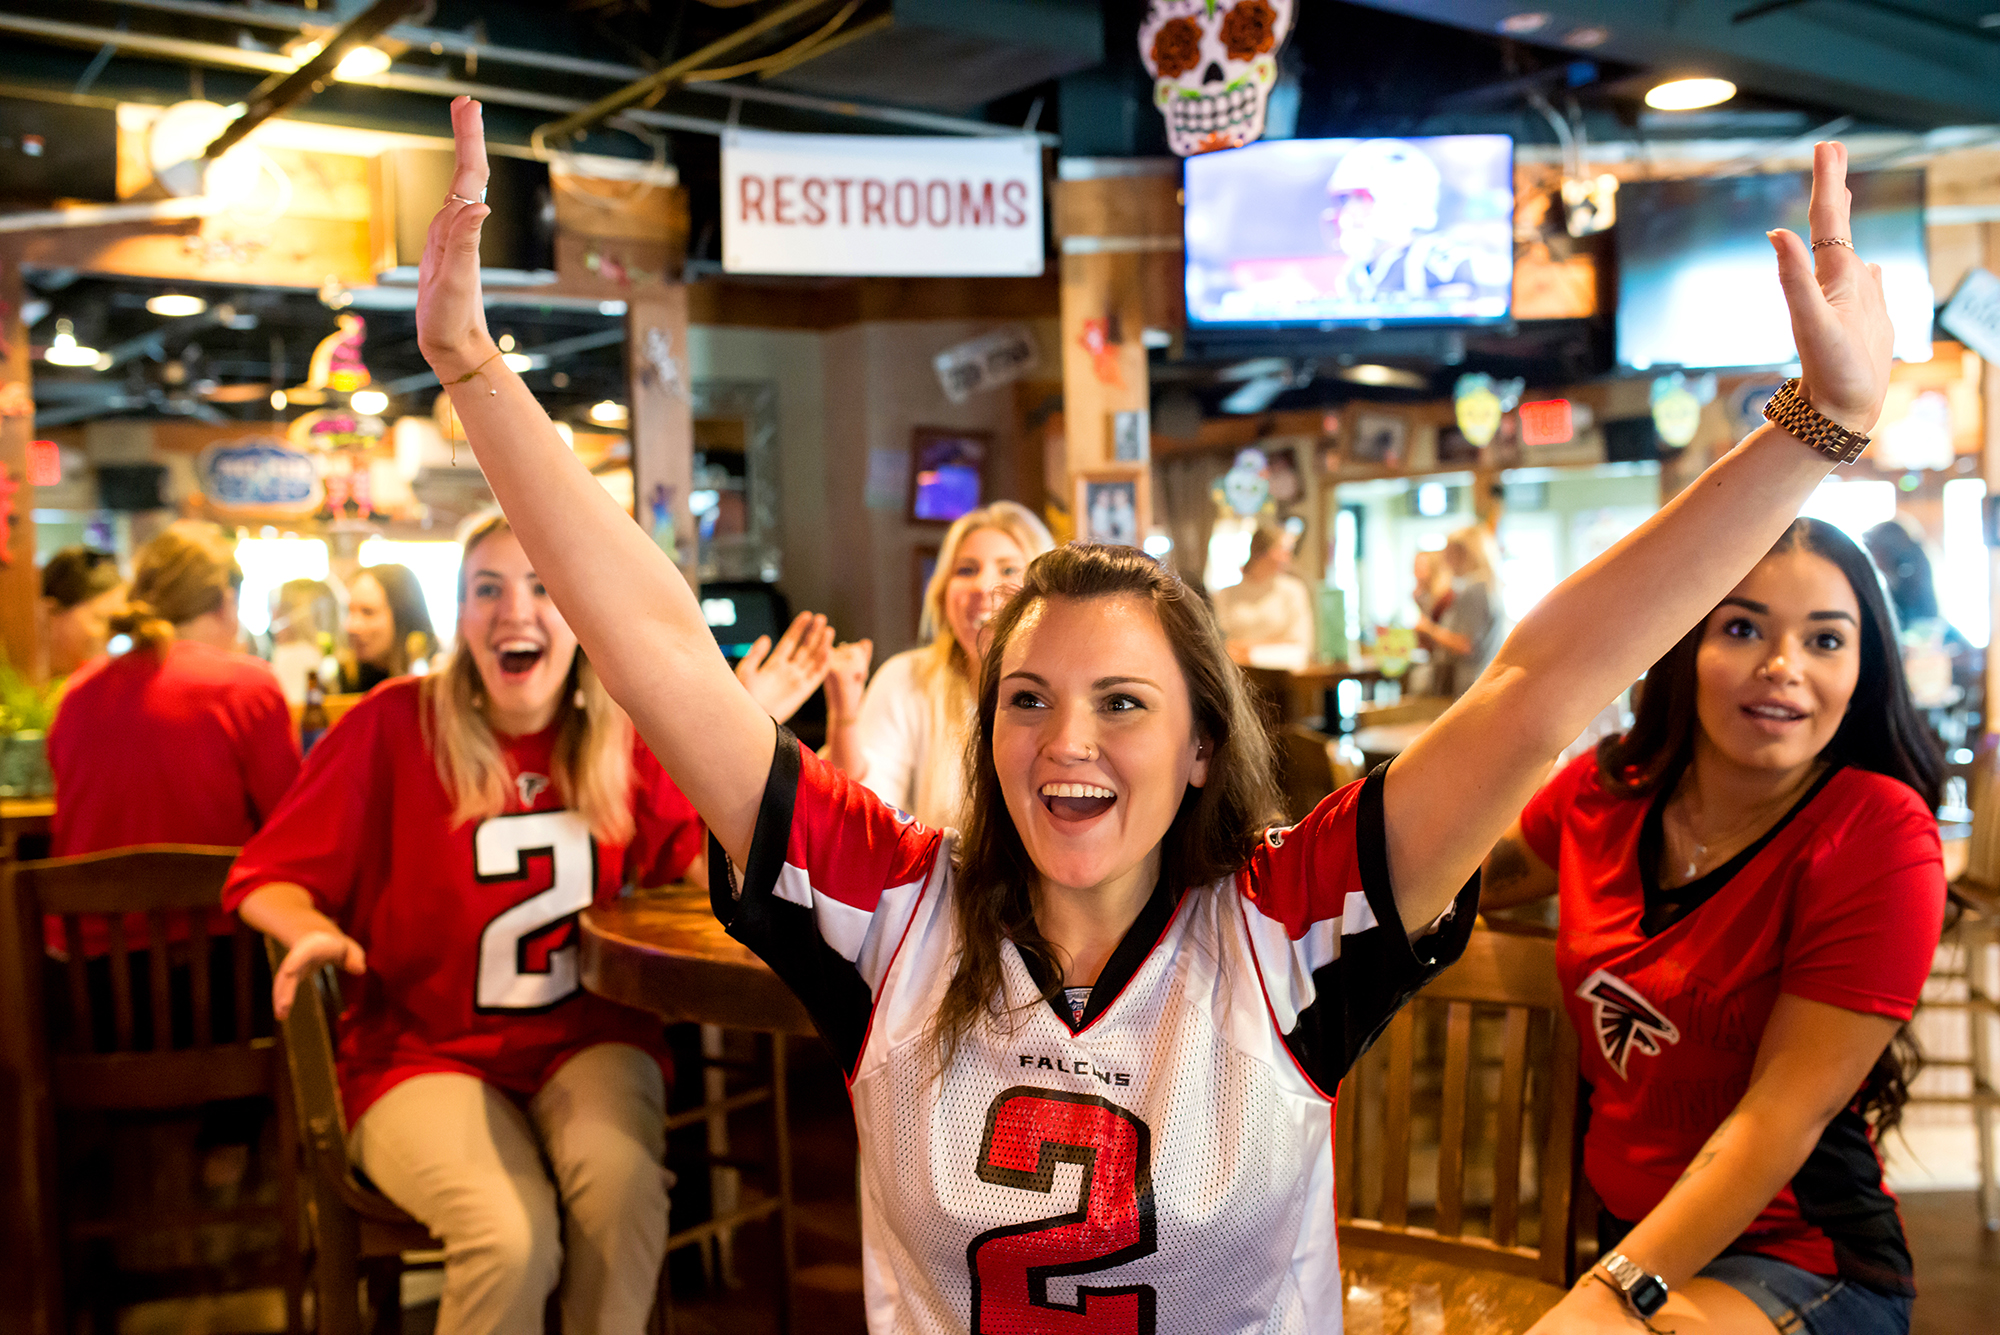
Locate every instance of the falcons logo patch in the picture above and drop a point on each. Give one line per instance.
(530, 787)
(1624, 1020)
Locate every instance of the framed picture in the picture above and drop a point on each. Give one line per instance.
(947, 473)
(1130, 438)
(1380, 439)
(1109, 504)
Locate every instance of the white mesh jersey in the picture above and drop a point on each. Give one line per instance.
(1162, 1164)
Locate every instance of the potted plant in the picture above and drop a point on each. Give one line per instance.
(25, 711)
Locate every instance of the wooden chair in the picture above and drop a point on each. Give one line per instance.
(1961, 979)
(161, 883)
(358, 1233)
(1482, 1261)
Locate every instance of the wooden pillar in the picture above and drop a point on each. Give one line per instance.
(1989, 469)
(660, 419)
(1119, 224)
(20, 585)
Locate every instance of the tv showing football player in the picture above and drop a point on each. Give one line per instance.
(1326, 232)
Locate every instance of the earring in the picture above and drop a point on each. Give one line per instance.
(577, 699)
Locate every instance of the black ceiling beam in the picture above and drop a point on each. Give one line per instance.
(280, 91)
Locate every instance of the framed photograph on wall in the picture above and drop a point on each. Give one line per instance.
(1380, 439)
(1109, 503)
(947, 473)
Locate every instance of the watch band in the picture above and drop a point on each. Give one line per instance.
(1789, 409)
(1644, 1293)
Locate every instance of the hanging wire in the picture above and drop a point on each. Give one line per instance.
(778, 60)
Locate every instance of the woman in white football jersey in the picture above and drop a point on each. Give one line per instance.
(1092, 1044)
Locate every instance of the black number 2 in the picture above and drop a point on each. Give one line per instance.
(1028, 1132)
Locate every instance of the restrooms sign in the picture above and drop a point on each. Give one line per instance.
(881, 205)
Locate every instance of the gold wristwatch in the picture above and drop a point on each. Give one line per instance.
(1789, 409)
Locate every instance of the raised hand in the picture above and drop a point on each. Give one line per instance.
(846, 681)
(451, 313)
(1840, 320)
(308, 955)
(781, 678)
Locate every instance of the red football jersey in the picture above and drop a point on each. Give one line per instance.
(470, 929)
(1841, 903)
(192, 747)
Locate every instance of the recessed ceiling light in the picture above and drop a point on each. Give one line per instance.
(66, 351)
(1586, 38)
(607, 412)
(1374, 373)
(1520, 25)
(518, 362)
(368, 402)
(279, 399)
(1689, 94)
(176, 304)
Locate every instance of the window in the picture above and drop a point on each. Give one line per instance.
(1966, 571)
(435, 564)
(268, 563)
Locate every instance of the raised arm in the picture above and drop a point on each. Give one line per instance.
(631, 610)
(1460, 785)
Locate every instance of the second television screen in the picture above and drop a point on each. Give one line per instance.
(1319, 233)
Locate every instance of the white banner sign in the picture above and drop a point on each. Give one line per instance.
(882, 205)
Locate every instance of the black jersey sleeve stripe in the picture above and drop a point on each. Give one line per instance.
(1377, 969)
(784, 935)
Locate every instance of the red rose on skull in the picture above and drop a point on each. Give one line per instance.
(1249, 29)
(1177, 47)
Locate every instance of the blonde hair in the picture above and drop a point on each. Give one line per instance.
(1017, 522)
(1472, 542)
(592, 762)
(183, 573)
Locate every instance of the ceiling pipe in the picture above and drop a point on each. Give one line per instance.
(267, 62)
(110, 215)
(662, 79)
(278, 92)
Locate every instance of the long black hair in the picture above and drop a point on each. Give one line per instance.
(1882, 732)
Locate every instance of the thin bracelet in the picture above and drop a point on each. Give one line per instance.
(480, 372)
(1627, 1302)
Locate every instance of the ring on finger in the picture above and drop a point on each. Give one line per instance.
(463, 200)
(1833, 241)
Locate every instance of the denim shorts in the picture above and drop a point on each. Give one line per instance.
(1802, 1303)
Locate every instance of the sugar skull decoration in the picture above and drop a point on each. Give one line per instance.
(1213, 64)
(1677, 401)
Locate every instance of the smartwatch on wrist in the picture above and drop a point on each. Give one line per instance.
(1644, 1293)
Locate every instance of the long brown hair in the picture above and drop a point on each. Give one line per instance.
(593, 751)
(1212, 835)
(1882, 732)
(183, 573)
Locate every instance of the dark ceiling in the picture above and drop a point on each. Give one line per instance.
(1070, 68)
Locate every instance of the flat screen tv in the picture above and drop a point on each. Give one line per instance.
(1698, 284)
(1340, 233)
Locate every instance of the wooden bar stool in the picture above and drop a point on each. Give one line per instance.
(161, 900)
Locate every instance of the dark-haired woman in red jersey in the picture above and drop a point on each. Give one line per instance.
(1751, 890)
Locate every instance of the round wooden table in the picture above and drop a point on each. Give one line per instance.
(1385, 1293)
(663, 951)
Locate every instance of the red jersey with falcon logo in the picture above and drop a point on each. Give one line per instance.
(1670, 990)
(1158, 1159)
(470, 929)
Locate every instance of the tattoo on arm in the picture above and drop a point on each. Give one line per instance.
(1708, 1151)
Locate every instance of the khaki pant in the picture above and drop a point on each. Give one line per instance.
(472, 1165)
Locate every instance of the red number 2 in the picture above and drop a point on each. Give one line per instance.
(1028, 1132)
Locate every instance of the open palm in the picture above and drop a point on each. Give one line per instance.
(1840, 320)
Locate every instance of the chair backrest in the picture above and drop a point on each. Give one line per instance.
(1486, 1055)
(1982, 864)
(164, 900)
(309, 1043)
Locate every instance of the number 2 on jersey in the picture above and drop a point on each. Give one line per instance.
(501, 848)
(1028, 1132)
